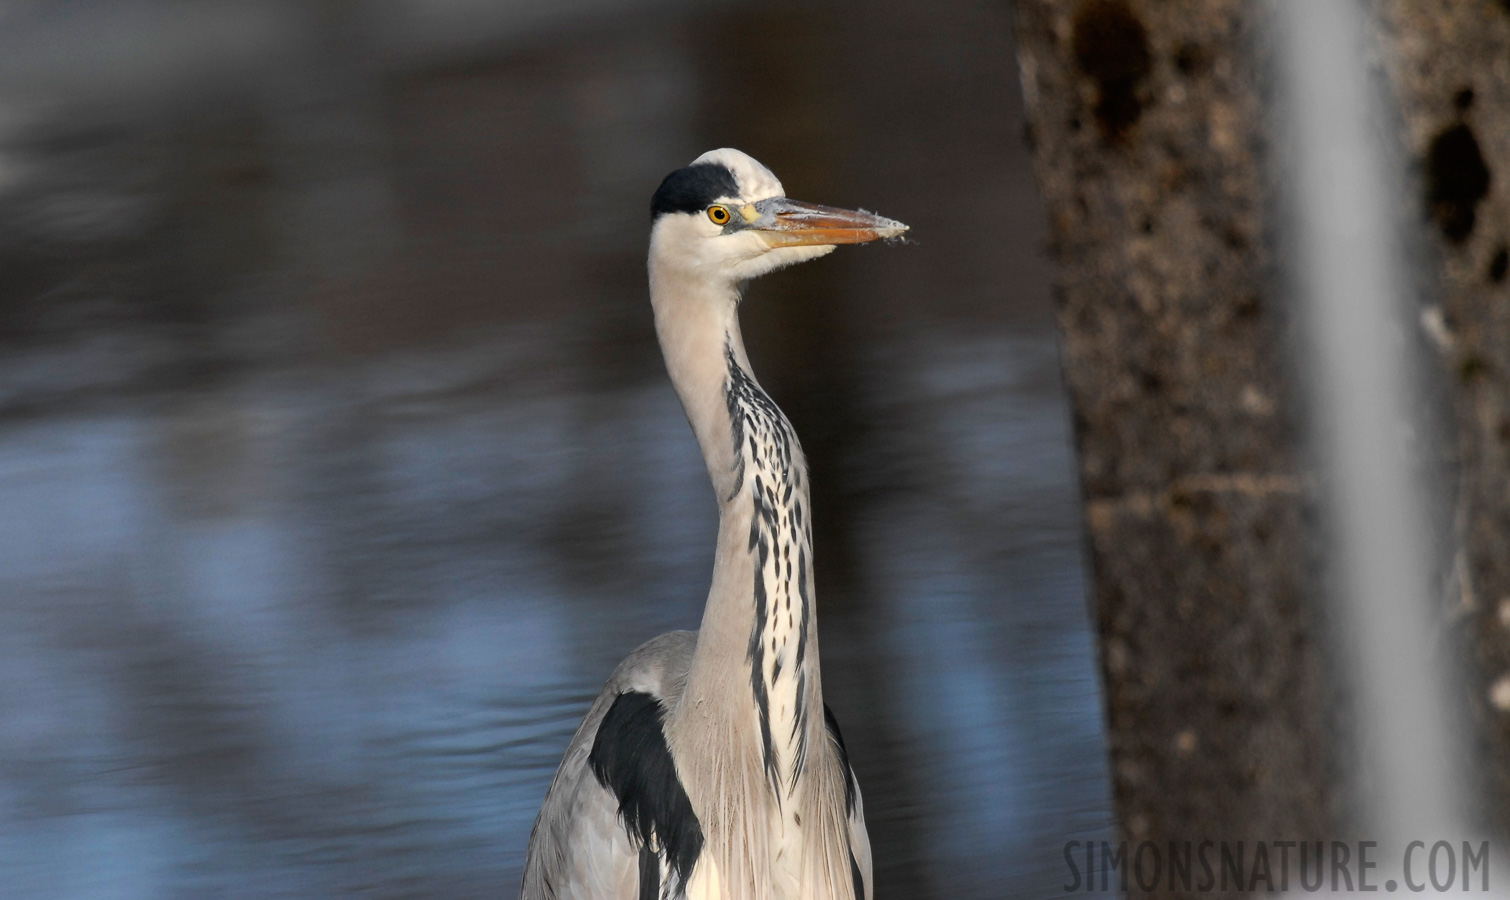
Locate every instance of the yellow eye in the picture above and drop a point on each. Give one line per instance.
(719, 215)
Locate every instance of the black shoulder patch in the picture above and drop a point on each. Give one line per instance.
(631, 760)
(650, 873)
(849, 774)
(692, 189)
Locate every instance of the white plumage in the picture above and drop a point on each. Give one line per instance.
(708, 767)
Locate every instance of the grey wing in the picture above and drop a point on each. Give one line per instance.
(854, 809)
(859, 847)
(580, 848)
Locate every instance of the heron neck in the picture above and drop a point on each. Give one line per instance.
(698, 325)
(757, 647)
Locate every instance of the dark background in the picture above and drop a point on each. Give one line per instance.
(338, 464)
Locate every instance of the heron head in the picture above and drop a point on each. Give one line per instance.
(726, 218)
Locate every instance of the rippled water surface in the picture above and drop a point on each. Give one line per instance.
(339, 465)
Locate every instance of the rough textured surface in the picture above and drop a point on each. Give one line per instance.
(1145, 124)
(1449, 63)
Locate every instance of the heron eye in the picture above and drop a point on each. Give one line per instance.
(719, 215)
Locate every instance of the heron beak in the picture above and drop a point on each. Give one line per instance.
(787, 223)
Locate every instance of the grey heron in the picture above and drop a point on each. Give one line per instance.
(709, 767)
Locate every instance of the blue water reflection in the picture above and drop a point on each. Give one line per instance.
(339, 468)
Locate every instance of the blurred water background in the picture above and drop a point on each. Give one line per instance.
(339, 467)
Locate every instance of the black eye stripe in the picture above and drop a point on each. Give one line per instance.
(693, 189)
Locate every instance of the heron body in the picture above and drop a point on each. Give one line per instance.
(709, 767)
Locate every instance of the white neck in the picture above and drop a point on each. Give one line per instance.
(695, 321)
(752, 708)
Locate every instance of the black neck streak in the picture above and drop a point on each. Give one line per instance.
(767, 467)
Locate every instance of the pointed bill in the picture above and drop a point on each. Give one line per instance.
(785, 222)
